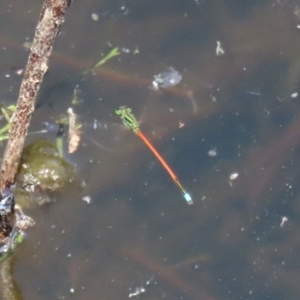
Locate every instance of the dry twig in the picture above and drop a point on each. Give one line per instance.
(51, 17)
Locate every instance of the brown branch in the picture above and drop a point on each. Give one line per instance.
(51, 17)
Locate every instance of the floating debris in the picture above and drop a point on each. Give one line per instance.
(180, 125)
(124, 10)
(125, 50)
(219, 50)
(22, 220)
(166, 79)
(87, 199)
(74, 133)
(283, 220)
(212, 152)
(95, 17)
(137, 291)
(294, 95)
(232, 177)
(18, 70)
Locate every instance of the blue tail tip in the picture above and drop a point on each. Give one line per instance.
(188, 198)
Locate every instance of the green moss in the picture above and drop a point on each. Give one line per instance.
(42, 171)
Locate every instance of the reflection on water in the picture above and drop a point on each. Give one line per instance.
(231, 244)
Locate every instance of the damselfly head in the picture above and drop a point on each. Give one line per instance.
(122, 109)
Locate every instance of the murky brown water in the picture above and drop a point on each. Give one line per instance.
(240, 238)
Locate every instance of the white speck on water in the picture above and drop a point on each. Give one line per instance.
(137, 291)
(283, 220)
(219, 50)
(212, 152)
(233, 176)
(95, 17)
(294, 95)
(87, 199)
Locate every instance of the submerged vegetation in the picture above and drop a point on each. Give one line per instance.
(42, 172)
